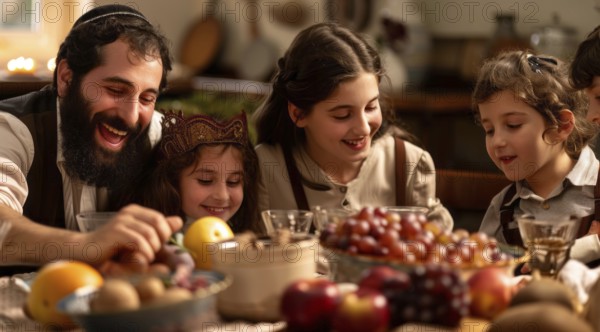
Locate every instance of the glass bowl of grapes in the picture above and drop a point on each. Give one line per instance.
(404, 239)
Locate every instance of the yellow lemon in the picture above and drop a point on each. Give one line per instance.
(53, 282)
(200, 237)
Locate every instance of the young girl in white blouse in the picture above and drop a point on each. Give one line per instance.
(325, 138)
(537, 135)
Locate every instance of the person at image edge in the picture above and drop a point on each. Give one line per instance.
(64, 147)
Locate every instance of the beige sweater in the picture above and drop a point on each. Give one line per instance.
(374, 185)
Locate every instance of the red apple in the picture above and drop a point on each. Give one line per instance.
(491, 290)
(309, 304)
(362, 310)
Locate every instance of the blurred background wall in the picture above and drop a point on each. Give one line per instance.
(421, 36)
(436, 21)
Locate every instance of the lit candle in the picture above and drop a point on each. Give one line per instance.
(21, 66)
(51, 64)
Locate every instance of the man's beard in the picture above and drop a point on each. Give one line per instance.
(84, 158)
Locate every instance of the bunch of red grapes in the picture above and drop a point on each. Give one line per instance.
(408, 237)
(429, 293)
(438, 296)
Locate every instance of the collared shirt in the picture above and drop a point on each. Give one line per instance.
(373, 186)
(573, 197)
(16, 157)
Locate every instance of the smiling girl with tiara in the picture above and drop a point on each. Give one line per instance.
(203, 167)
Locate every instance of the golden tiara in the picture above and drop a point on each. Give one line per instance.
(181, 134)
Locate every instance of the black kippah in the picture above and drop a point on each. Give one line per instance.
(108, 10)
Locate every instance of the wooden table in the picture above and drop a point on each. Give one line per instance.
(12, 318)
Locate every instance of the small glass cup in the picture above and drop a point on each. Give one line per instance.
(297, 221)
(326, 216)
(89, 221)
(548, 242)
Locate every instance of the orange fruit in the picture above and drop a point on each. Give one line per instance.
(201, 234)
(53, 282)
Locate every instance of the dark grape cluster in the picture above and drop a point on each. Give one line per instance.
(437, 295)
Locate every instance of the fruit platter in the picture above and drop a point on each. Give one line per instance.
(135, 304)
(393, 270)
(405, 240)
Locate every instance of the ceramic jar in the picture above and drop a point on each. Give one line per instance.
(261, 274)
(505, 37)
(555, 39)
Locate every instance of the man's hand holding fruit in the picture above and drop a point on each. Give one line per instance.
(132, 228)
(129, 241)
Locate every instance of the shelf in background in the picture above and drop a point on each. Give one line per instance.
(433, 102)
(15, 87)
(410, 101)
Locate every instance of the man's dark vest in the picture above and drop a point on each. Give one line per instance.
(44, 204)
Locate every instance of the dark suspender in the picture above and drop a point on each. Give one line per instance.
(596, 203)
(295, 180)
(400, 157)
(300, 195)
(513, 237)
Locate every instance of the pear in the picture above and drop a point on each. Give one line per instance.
(539, 316)
(545, 290)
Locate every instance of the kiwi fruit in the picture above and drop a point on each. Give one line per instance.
(115, 295)
(539, 316)
(544, 290)
(149, 288)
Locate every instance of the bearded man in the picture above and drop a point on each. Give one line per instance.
(64, 147)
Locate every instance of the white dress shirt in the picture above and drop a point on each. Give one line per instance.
(573, 197)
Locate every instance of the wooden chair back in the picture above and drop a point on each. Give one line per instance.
(468, 190)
